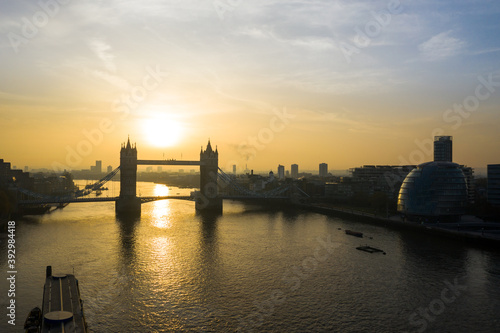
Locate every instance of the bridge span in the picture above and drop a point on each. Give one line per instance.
(49, 201)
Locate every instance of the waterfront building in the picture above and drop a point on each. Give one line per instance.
(471, 183)
(434, 191)
(443, 148)
(493, 190)
(369, 179)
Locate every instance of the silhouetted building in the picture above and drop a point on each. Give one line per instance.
(323, 170)
(443, 149)
(110, 168)
(294, 171)
(271, 177)
(14, 178)
(234, 169)
(97, 168)
(434, 191)
(471, 183)
(494, 184)
(369, 179)
(281, 172)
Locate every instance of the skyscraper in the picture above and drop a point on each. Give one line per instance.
(443, 149)
(281, 172)
(295, 171)
(323, 170)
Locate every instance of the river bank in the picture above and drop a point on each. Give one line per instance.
(469, 230)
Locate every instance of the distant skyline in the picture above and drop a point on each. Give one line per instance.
(346, 83)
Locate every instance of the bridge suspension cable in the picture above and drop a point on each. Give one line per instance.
(63, 198)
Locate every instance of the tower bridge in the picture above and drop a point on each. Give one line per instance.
(207, 199)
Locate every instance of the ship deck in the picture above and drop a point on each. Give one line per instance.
(62, 307)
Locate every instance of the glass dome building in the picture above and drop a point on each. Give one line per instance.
(435, 191)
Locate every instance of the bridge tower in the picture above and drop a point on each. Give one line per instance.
(128, 204)
(208, 198)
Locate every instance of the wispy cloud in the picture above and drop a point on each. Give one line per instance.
(102, 50)
(441, 46)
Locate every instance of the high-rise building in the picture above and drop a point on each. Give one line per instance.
(295, 171)
(323, 170)
(110, 168)
(281, 172)
(443, 149)
(234, 169)
(97, 168)
(494, 184)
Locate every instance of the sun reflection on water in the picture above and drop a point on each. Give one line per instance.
(162, 213)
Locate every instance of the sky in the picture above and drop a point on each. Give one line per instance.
(347, 83)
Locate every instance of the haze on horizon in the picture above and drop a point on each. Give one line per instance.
(269, 82)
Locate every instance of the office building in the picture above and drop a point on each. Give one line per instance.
(234, 169)
(109, 169)
(295, 171)
(281, 172)
(434, 191)
(443, 149)
(323, 170)
(494, 184)
(97, 168)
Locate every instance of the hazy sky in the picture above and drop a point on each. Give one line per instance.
(269, 82)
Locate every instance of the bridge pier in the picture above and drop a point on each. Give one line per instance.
(207, 199)
(128, 204)
(128, 207)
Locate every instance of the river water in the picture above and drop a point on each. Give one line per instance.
(251, 269)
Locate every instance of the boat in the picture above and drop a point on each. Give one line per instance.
(33, 321)
(354, 233)
(369, 249)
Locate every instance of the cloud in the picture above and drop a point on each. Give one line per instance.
(101, 49)
(440, 47)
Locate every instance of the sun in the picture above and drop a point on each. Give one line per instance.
(162, 131)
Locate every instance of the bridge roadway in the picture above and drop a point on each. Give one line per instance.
(49, 201)
(102, 199)
(168, 162)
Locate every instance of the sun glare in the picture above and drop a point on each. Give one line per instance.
(162, 132)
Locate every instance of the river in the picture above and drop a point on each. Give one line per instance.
(251, 269)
